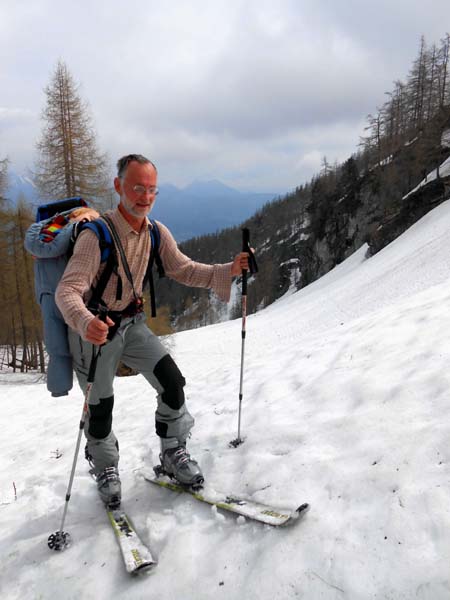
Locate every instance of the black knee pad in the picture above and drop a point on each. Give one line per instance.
(100, 418)
(161, 429)
(171, 379)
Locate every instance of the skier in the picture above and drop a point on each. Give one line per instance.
(125, 335)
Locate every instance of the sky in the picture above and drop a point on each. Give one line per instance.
(251, 92)
(345, 406)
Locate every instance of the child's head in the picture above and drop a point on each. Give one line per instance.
(83, 213)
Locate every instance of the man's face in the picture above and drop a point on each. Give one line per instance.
(137, 204)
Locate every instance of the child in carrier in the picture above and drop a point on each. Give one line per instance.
(49, 242)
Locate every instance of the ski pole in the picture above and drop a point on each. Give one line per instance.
(60, 540)
(253, 269)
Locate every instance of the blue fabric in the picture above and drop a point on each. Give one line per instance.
(60, 368)
(50, 262)
(101, 230)
(51, 258)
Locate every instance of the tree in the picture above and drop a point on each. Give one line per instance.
(20, 324)
(3, 176)
(417, 85)
(69, 162)
(372, 142)
(444, 52)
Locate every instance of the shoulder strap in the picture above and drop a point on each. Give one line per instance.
(108, 254)
(155, 239)
(101, 230)
(109, 240)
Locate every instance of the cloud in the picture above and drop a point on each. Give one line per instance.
(249, 91)
(9, 115)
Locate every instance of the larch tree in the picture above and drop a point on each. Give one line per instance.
(3, 176)
(69, 162)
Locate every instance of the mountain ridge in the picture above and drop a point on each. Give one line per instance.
(197, 209)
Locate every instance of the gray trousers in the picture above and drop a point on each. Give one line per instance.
(137, 347)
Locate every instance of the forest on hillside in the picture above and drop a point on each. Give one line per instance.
(303, 235)
(297, 238)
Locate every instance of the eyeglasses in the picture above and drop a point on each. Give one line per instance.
(141, 190)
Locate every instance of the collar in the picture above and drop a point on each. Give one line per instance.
(123, 226)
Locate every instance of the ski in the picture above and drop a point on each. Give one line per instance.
(136, 555)
(256, 511)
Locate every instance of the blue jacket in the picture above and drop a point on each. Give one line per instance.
(51, 258)
(50, 262)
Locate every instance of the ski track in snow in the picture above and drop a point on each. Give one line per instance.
(346, 406)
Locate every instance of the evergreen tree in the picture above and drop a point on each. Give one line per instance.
(69, 162)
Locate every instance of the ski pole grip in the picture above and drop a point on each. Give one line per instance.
(102, 313)
(252, 266)
(245, 248)
(244, 282)
(245, 239)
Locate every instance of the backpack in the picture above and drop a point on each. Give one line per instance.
(108, 254)
(45, 211)
(50, 240)
(108, 250)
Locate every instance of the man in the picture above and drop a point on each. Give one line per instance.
(133, 343)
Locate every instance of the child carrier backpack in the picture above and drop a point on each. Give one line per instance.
(105, 233)
(50, 240)
(45, 211)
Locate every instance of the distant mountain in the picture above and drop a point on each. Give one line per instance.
(208, 188)
(205, 207)
(201, 207)
(21, 186)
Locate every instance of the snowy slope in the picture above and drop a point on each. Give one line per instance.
(346, 406)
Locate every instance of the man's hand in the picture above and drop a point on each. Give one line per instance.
(97, 331)
(239, 264)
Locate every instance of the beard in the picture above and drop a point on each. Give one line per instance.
(131, 209)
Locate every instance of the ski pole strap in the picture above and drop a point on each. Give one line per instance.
(93, 365)
(252, 266)
(102, 313)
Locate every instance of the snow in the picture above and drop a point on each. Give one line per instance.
(445, 140)
(410, 142)
(386, 160)
(224, 311)
(444, 171)
(346, 406)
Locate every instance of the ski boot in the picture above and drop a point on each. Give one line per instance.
(109, 487)
(178, 464)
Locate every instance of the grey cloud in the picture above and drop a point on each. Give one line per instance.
(250, 90)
